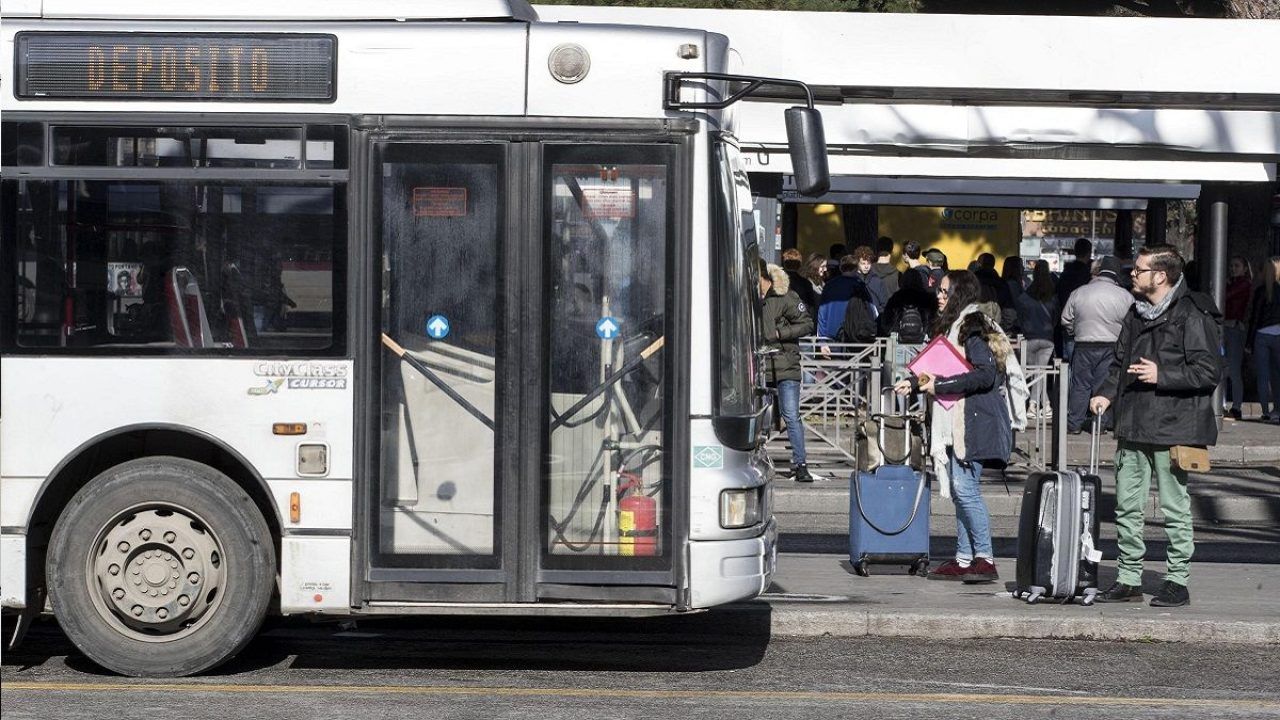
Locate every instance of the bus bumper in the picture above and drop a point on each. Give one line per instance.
(13, 571)
(723, 571)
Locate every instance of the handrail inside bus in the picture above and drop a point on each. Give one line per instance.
(429, 374)
(608, 382)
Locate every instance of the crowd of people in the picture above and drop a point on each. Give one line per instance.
(1146, 352)
(1075, 315)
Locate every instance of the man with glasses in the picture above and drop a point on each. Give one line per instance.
(1167, 364)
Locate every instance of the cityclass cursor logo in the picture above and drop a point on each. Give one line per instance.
(269, 387)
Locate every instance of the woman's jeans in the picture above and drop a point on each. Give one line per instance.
(1040, 352)
(1266, 356)
(1233, 383)
(973, 523)
(789, 406)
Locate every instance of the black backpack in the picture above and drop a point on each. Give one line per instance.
(910, 326)
(859, 324)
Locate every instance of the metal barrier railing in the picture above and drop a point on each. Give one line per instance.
(844, 380)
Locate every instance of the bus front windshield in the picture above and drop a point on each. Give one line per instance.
(736, 303)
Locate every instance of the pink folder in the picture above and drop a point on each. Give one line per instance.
(940, 359)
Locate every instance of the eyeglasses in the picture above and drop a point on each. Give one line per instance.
(1139, 271)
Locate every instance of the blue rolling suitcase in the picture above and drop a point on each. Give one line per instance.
(889, 518)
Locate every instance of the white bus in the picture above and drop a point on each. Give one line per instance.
(356, 308)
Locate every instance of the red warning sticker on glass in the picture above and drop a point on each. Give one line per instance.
(439, 202)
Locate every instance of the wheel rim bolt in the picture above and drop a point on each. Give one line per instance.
(118, 593)
(183, 600)
(194, 578)
(114, 569)
(145, 534)
(169, 537)
(188, 553)
(123, 547)
(172, 586)
(137, 610)
(162, 613)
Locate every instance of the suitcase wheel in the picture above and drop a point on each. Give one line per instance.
(1033, 598)
(1089, 596)
(863, 568)
(920, 568)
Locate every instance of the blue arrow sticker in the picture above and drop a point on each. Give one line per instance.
(608, 328)
(437, 327)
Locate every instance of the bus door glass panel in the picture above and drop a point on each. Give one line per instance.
(441, 226)
(606, 495)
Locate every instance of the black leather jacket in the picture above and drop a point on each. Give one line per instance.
(1185, 343)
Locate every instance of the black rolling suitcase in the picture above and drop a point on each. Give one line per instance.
(1058, 534)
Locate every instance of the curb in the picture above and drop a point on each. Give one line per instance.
(790, 621)
(1216, 508)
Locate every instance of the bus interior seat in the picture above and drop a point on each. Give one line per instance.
(187, 316)
(237, 334)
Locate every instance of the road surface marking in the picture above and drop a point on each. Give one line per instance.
(614, 693)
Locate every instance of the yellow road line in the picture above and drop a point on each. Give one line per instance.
(614, 693)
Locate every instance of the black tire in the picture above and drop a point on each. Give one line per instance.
(193, 551)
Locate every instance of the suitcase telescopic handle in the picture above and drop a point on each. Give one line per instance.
(1095, 438)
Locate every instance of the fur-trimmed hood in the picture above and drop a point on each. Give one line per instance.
(781, 281)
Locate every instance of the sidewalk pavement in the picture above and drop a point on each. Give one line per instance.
(1240, 442)
(816, 596)
(1236, 511)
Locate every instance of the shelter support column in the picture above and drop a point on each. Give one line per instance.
(1157, 220)
(1217, 264)
(1124, 234)
(789, 225)
(861, 225)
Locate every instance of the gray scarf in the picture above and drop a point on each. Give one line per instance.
(1147, 311)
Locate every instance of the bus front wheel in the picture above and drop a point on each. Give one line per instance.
(160, 567)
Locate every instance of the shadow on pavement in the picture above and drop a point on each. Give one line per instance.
(698, 642)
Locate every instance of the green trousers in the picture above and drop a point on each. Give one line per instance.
(1135, 464)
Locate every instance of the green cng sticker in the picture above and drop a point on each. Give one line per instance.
(708, 456)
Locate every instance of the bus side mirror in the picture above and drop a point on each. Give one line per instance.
(808, 144)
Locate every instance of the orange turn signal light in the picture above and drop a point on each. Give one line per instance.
(295, 508)
(289, 429)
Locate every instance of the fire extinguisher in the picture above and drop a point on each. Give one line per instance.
(637, 518)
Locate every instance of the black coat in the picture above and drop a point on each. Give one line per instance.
(784, 322)
(988, 431)
(922, 300)
(1262, 313)
(1185, 343)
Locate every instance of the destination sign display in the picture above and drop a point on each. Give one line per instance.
(177, 66)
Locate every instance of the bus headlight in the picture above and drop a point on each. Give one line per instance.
(739, 508)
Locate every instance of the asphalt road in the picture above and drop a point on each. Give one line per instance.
(703, 666)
